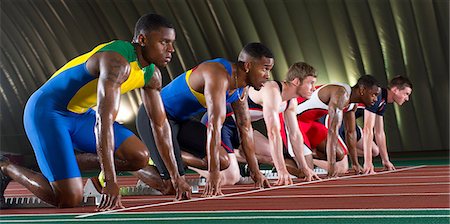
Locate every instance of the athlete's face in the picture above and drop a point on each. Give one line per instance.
(259, 72)
(159, 46)
(401, 96)
(370, 94)
(306, 88)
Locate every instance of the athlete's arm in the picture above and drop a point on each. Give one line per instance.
(216, 84)
(369, 123)
(153, 104)
(113, 70)
(296, 138)
(241, 111)
(380, 138)
(271, 102)
(338, 100)
(350, 138)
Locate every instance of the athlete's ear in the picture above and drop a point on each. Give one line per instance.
(247, 66)
(362, 90)
(141, 39)
(296, 82)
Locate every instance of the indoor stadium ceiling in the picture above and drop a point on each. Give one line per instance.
(341, 38)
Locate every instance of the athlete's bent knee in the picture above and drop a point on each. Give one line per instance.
(224, 162)
(340, 155)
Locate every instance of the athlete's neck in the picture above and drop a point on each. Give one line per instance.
(140, 58)
(288, 91)
(390, 96)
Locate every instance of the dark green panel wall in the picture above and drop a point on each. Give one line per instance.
(341, 38)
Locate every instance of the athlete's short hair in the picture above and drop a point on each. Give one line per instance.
(300, 70)
(150, 22)
(400, 82)
(256, 51)
(367, 81)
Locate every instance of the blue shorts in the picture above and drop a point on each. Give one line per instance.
(55, 133)
(230, 136)
(230, 133)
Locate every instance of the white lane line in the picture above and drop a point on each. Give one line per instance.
(235, 218)
(336, 195)
(373, 185)
(407, 177)
(241, 193)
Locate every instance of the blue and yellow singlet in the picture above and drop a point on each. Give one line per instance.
(182, 102)
(76, 89)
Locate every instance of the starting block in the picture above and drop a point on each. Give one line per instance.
(140, 189)
(195, 183)
(35, 202)
(273, 175)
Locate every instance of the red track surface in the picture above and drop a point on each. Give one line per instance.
(426, 187)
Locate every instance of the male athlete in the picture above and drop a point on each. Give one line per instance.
(274, 98)
(209, 87)
(338, 100)
(59, 118)
(398, 91)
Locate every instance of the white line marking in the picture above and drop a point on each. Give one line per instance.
(246, 192)
(237, 218)
(335, 195)
(373, 185)
(406, 177)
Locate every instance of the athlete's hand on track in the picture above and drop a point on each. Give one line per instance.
(368, 168)
(332, 171)
(111, 198)
(357, 168)
(284, 178)
(388, 165)
(260, 180)
(310, 175)
(182, 188)
(213, 187)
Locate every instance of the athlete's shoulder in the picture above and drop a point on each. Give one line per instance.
(124, 48)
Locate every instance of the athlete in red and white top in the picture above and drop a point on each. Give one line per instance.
(337, 99)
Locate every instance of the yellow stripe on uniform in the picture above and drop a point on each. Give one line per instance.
(79, 60)
(150, 162)
(200, 97)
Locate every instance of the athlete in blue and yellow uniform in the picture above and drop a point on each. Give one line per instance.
(209, 87)
(59, 118)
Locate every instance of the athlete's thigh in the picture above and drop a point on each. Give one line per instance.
(261, 144)
(84, 137)
(49, 135)
(317, 134)
(192, 138)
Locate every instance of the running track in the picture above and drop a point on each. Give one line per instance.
(418, 194)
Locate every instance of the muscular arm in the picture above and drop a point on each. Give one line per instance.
(155, 110)
(338, 100)
(240, 109)
(296, 138)
(215, 87)
(350, 137)
(271, 101)
(380, 138)
(369, 123)
(113, 70)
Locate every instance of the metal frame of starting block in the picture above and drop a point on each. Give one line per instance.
(35, 202)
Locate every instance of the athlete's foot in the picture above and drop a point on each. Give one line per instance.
(97, 184)
(4, 180)
(168, 188)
